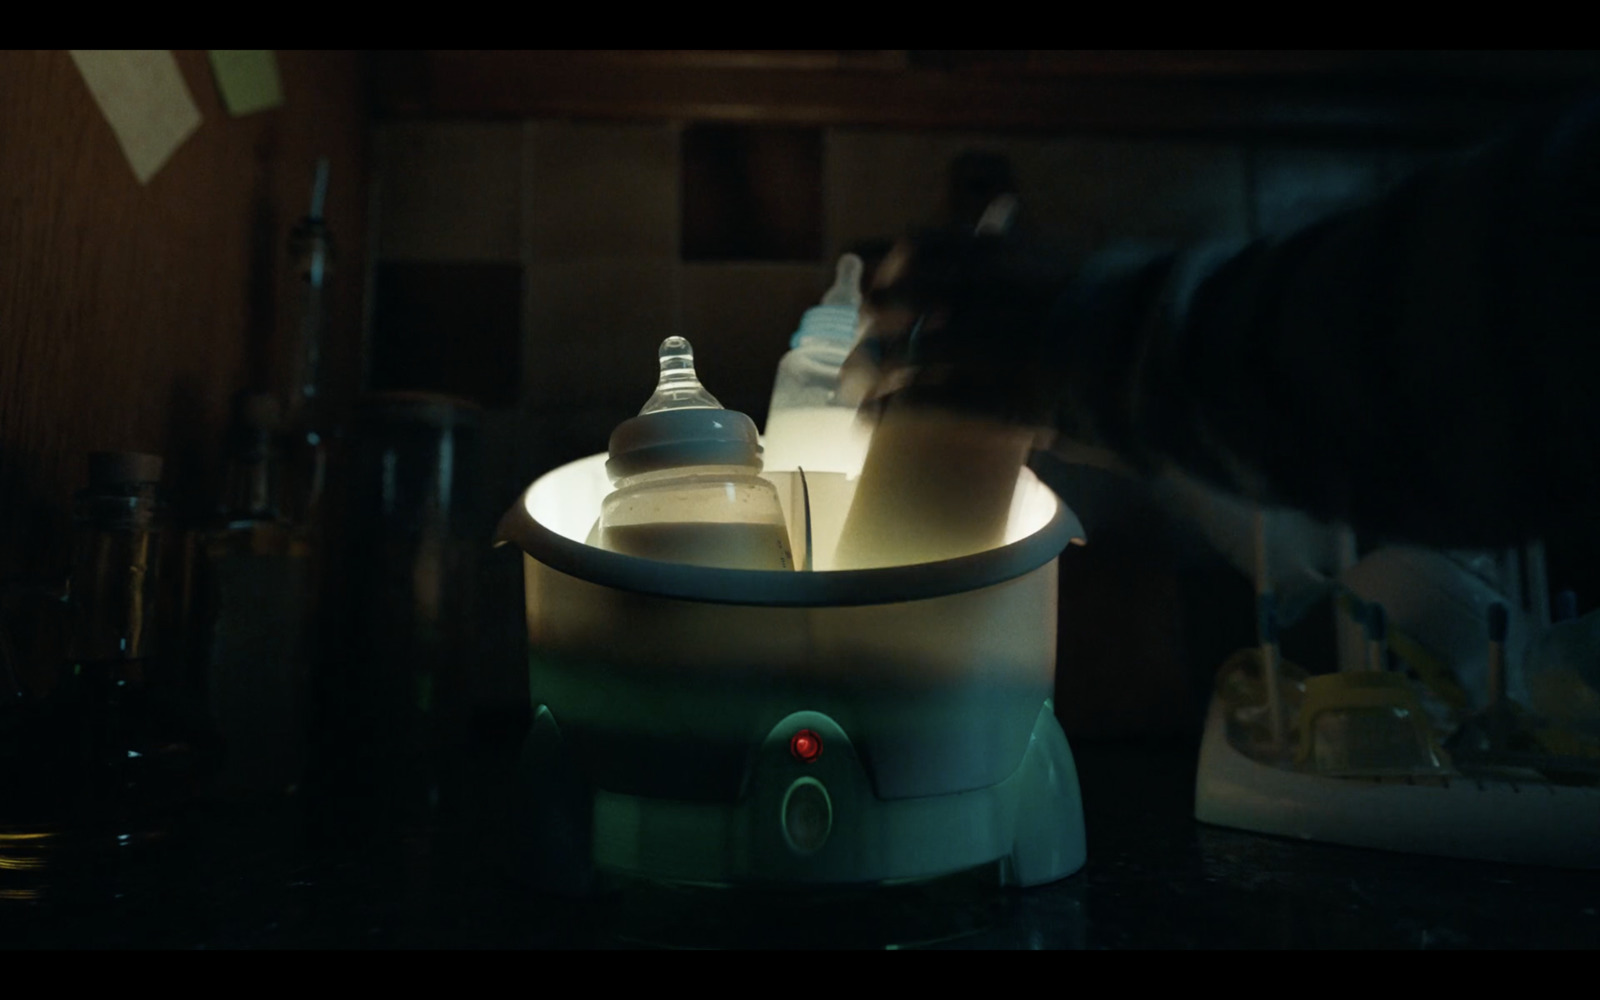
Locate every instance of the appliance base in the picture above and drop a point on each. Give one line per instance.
(798, 823)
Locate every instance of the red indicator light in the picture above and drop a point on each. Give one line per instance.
(806, 746)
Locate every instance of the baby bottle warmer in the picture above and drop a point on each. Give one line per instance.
(738, 727)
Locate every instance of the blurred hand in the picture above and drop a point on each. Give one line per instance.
(959, 321)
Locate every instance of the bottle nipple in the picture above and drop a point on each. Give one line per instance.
(679, 387)
(846, 290)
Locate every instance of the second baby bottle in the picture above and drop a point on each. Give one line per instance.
(688, 483)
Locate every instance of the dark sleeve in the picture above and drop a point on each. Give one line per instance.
(1422, 368)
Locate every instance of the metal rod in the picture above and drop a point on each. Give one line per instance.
(1538, 586)
(1347, 630)
(1499, 627)
(319, 189)
(1270, 668)
(1566, 607)
(1511, 578)
(1377, 639)
(1264, 582)
(1267, 631)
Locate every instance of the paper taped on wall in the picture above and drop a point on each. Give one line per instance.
(143, 96)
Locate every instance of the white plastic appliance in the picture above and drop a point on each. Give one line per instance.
(787, 728)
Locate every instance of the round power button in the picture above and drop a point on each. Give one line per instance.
(807, 816)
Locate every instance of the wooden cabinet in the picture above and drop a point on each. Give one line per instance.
(1346, 95)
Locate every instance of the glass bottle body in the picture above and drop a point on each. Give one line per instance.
(103, 695)
(249, 604)
(250, 609)
(807, 425)
(721, 516)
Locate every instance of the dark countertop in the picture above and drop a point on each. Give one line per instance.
(1155, 879)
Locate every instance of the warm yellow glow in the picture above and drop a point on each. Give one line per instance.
(12, 838)
(20, 864)
(567, 500)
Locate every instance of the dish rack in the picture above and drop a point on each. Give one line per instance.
(1487, 817)
(1476, 805)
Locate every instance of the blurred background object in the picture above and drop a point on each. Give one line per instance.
(425, 661)
(248, 616)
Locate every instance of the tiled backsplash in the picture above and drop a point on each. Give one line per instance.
(751, 193)
(450, 192)
(591, 325)
(591, 214)
(740, 318)
(591, 211)
(1081, 191)
(598, 191)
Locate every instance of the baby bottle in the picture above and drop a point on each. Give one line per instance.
(936, 483)
(808, 426)
(688, 488)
